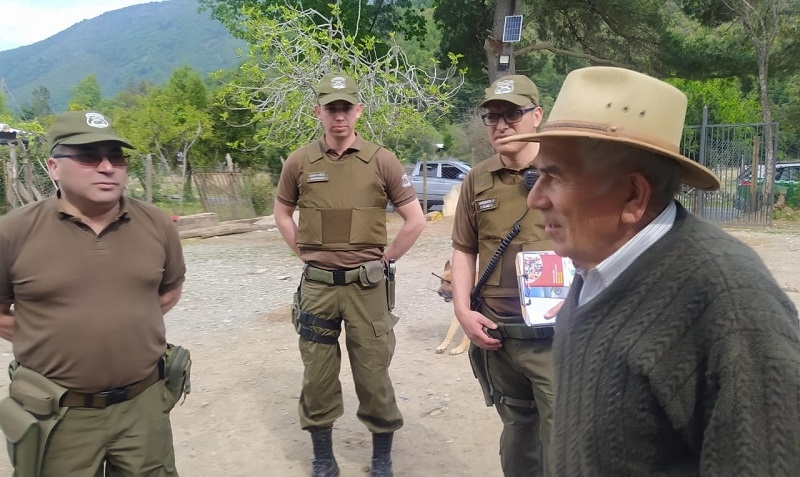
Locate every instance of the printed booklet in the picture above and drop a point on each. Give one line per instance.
(544, 279)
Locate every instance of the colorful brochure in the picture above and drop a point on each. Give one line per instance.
(544, 279)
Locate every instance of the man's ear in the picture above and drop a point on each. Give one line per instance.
(52, 168)
(538, 115)
(638, 198)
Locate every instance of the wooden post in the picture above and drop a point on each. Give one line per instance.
(754, 174)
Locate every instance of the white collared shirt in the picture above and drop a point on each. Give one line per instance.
(600, 277)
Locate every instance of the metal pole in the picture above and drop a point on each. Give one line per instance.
(425, 182)
(703, 134)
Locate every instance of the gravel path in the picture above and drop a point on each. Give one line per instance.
(241, 418)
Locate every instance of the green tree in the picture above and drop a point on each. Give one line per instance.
(761, 21)
(39, 106)
(169, 120)
(726, 102)
(787, 113)
(5, 111)
(647, 35)
(86, 94)
(291, 49)
(362, 18)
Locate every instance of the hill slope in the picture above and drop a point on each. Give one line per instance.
(140, 42)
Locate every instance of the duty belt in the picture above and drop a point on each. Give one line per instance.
(331, 277)
(104, 399)
(521, 331)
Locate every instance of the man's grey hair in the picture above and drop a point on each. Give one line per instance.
(663, 174)
(58, 149)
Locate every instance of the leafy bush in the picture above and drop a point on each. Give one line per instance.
(261, 190)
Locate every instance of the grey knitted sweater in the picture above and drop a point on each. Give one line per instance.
(688, 364)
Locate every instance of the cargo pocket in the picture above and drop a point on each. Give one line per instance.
(368, 226)
(384, 324)
(21, 429)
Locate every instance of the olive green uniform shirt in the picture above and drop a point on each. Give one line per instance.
(492, 198)
(86, 305)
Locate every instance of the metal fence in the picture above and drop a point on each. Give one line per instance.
(224, 193)
(730, 151)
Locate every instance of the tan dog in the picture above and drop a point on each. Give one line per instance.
(446, 291)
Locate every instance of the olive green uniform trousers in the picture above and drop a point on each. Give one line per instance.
(522, 372)
(133, 438)
(370, 341)
(523, 369)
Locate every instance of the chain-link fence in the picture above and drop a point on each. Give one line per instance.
(732, 152)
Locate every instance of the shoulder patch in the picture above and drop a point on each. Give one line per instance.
(406, 182)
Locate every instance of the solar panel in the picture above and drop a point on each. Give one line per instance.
(512, 29)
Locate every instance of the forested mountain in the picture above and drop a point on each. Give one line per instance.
(123, 47)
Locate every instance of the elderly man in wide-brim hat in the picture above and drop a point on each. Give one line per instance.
(676, 352)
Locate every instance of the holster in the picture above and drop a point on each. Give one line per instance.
(177, 372)
(389, 271)
(28, 417)
(477, 359)
(312, 328)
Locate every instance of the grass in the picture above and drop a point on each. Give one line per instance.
(174, 208)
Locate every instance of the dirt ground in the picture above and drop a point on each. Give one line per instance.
(241, 418)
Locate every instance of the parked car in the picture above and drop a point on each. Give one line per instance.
(440, 177)
(787, 177)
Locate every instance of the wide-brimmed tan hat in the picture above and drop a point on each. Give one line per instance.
(623, 106)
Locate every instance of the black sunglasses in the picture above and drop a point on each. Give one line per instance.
(510, 117)
(94, 158)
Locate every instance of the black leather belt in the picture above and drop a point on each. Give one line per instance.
(104, 399)
(520, 331)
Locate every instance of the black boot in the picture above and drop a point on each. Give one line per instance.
(323, 465)
(382, 455)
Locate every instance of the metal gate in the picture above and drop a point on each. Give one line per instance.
(732, 152)
(224, 193)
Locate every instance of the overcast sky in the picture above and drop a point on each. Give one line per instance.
(25, 22)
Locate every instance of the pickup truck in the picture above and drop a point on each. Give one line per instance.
(441, 176)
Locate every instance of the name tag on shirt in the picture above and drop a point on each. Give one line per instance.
(487, 204)
(317, 177)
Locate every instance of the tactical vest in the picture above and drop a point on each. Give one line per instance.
(497, 206)
(342, 204)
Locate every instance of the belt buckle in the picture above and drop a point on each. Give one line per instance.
(494, 333)
(339, 277)
(114, 396)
